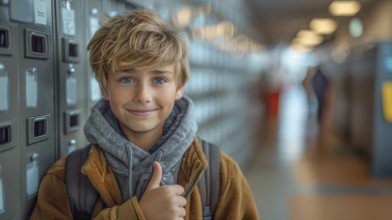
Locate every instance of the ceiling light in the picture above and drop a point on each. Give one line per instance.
(308, 38)
(344, 8)
(323, 25)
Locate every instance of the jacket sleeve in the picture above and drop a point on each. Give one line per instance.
(128, 210)
(236, 199)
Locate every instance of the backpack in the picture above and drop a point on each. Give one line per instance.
(83, 196)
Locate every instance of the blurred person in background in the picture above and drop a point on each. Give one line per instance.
(308, 87)
(320, 85)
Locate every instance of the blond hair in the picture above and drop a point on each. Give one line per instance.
(141, 40)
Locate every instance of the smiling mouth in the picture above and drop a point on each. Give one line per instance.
(142, 113)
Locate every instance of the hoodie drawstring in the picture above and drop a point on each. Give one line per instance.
(129, 155)
(158, 156)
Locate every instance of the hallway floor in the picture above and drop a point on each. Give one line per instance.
(299, 174)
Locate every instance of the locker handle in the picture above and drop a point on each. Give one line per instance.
(5, 134)
(38, 129)
(4, 38)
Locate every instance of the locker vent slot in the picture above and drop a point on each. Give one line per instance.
(38, 44)
(4, 38)
(74, 121)
(5, 135)
(70, 50)
(71, 120)
(73, 50)
(40, 128)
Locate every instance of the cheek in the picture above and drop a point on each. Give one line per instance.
(166, 98)
(117, 96)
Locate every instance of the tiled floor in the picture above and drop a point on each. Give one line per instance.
(298, 174)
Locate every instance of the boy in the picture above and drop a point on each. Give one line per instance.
(144, 148)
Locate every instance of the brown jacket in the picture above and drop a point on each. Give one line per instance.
(235, 202)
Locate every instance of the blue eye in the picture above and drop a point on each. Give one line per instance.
(159, 81)
(126, 80)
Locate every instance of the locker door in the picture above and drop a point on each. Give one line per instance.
(94, 17)
(71, 91)
(35, 63)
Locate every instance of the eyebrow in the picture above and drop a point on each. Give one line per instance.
(154, 71)
(158, 71)
(125, 69)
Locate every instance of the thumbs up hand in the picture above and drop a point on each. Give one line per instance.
(162, 202)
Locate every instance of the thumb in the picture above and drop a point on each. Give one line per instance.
(156, 177)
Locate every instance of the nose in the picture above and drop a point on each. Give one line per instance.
(142, 93)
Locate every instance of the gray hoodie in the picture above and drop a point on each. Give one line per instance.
(133, 165)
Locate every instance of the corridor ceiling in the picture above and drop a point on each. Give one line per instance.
(277, 21)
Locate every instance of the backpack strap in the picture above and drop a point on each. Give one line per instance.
(209, 183)
(82, 195)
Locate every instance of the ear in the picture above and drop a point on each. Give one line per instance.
(104, 94)
(180, 93)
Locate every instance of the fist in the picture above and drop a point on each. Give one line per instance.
(162, 202)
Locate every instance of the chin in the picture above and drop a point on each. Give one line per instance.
(143, 129)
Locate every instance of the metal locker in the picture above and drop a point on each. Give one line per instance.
(10, 182)
(370, 131)
(382, 139)
(71, 92)
(35, 122)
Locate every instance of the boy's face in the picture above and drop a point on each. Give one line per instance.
(142, 99)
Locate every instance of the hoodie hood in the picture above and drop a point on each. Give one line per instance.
(129, 162)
